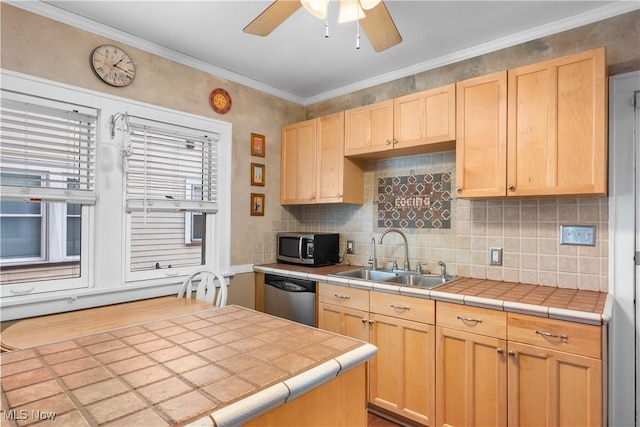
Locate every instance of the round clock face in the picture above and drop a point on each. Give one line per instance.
(113, 65)
(220, 101)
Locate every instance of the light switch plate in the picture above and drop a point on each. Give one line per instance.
(582, 235)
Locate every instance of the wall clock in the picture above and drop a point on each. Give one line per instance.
(220, 101)
(113, 65)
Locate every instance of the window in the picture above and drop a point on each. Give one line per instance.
(171, 190)
(47, 177)
(194, 221)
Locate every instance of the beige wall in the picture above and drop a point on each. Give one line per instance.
(45, 48)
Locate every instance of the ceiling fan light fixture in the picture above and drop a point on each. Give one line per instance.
(350, 10)
(317, 8)
(369, 4)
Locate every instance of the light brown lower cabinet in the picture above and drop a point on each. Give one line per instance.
(471, 366)
(555, 372)
(402, 373)
(448, 364)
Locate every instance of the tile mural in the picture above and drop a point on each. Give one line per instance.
(415, 201)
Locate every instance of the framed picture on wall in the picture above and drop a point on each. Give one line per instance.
(257, 174)
(257, 145)
(257, 204)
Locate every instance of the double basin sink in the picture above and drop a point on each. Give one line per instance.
(398, 277)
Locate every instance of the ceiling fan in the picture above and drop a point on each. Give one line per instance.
(372, 15)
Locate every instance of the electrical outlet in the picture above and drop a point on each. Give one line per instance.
(349, 246)
(495, 256)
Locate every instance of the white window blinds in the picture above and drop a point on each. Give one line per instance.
(47, 150)
(166, 163)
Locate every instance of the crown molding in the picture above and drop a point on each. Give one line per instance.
(60, 15)
(599, 14)
(576, 21)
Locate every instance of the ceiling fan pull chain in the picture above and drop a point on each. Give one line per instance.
(358, 33)
(326, 27)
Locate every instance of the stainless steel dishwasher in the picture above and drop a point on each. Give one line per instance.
(289, 298)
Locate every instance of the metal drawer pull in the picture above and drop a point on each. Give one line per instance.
(469, 319)
(512, 353)
(400, 307)
(341, 296)
(550, 335)
(500, 350)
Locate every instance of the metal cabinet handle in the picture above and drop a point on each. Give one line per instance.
(400, 307)
(312, 197)
(469, 319)
(500, 350)
(339, 195)
(550, 335)
(364, 320)
(395, 141)
(511, 187)
(371, 321)
(458, 189)
(512, 353)
(388, 142)
(341, 296)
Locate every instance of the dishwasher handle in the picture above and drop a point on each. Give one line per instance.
(287, 286)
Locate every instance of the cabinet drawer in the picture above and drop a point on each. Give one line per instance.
(482, 321)
(416, 309)
(344, 296)
(562, 335)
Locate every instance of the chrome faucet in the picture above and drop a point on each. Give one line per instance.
(443, 269)
(373, 259)
(406, 246)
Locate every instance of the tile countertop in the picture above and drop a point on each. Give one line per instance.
(545, 301)
(217, 367)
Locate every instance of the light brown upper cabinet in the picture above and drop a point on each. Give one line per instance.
(557, 126)
(298, 177)
(481, 147)
(314, 169)
(417, 123)
(556, 130)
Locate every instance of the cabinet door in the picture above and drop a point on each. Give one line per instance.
(369, 129)
(339, 179)
(425, 117)
(471, 385)
(344, 321)
(481, 145)
(402, 373)
(330, 158)
(553, 388)
(298, 174)
(557, 138)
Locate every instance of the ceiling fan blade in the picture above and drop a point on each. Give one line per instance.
(380, 28)
(272, 17)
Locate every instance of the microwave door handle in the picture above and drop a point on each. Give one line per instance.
(300, 248)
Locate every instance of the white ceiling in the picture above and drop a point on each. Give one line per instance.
(297, 62)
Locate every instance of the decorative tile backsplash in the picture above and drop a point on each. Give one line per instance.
(415, 201)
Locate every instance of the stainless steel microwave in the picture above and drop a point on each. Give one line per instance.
(313, 249)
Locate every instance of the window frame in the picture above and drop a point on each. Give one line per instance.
(103, 268)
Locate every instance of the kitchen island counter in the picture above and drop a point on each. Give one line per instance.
(216, 367)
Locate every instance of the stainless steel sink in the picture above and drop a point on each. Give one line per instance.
(399, 277)
(366, 274)
(421, 280)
